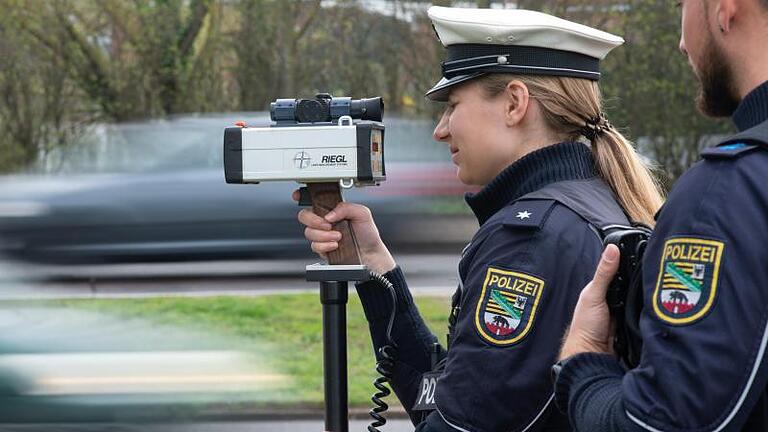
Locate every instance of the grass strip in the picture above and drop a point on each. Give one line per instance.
(290, 324)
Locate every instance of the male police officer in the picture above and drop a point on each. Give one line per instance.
(705, 274)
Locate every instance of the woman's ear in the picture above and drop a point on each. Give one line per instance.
(517, 102)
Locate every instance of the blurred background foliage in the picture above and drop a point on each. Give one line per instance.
(65, 64)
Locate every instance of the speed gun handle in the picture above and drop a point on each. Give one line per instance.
(325, 197)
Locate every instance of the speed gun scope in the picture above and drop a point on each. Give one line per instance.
(322, 140)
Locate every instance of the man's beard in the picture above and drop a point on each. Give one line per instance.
(717, 94)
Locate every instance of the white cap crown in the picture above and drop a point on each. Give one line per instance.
(519, 27)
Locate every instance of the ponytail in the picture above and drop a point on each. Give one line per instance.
(570, 104)
(619, 165)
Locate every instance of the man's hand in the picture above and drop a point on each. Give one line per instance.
(590, 329)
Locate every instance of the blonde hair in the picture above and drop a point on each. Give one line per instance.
(567, 104)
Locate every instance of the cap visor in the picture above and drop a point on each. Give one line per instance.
(439, 93)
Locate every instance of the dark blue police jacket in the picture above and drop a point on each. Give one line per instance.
(705, 318)
(520, 278)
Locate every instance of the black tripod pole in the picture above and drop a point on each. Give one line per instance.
(343, 266)
(333, 296)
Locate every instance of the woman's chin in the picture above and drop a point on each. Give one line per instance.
(464, 177)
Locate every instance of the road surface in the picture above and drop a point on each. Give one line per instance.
(427, 274)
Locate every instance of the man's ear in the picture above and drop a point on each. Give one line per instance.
(517, 102)
(725, 10)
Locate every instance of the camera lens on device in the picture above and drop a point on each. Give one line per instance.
(367, 109)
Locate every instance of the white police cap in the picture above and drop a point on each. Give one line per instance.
(481, 41)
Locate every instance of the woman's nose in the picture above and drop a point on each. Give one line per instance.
(441, 130)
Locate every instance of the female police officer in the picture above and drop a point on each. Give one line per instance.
(521, 91)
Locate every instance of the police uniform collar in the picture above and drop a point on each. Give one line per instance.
(753, 109)
(558, 162)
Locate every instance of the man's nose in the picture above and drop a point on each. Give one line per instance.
(681, 46)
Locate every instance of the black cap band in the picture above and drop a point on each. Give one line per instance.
(464, 59)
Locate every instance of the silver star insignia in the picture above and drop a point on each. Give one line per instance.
(523, 215)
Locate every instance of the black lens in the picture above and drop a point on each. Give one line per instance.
(312, 111)
(367, 109)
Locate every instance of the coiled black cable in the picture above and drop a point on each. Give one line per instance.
(385, 364)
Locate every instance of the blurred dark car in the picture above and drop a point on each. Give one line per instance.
(155, 191)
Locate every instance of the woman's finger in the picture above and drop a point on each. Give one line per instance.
(310, 219)
(316, 235)
(352, 211)
(324, 247)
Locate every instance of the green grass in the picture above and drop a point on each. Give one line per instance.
(288, 328)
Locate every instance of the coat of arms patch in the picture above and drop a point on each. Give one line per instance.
(507, 305)
(687, 283)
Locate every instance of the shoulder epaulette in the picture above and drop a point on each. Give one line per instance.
(727, 151)
(742, 143)
(528, 213)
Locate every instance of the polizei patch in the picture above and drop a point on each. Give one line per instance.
(507, 305)
(688, 277)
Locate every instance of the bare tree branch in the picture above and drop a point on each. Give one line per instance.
(200, 10)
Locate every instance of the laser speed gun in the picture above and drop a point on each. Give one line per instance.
(320, 140)
(326, 142)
